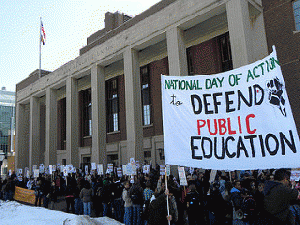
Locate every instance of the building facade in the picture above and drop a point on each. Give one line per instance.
(7, 128)
(105, 105)
(282, 23)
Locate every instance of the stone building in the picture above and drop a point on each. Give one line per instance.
(105, 105)
(282, 24)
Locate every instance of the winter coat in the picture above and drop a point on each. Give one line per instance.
(86, 194)
(126, 198)
(278, 198)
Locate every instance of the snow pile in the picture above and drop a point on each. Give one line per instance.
(12, 213)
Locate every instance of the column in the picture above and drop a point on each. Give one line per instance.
(176, 52)
(98, 115)
(51, 127)
(72, 122)
(134, 128)
(239, 32)
(22, 142)
(34, 132)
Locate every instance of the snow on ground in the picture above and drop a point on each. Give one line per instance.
(14, 213)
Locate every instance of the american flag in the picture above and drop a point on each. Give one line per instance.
(43, 34)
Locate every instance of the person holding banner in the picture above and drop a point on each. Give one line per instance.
(158, 213)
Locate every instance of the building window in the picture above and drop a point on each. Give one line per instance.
(225, 52)
(190, 61)
(87, 113)
(146, 98)
(296, 7)
(112, 105)
(62, 123)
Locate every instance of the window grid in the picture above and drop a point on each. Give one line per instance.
(146, 98)
(296, 7)
(112, 105)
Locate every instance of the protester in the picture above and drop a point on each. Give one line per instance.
(127, 204)
(278, 197)
(136, 195)
(69, 195)
(86, 195)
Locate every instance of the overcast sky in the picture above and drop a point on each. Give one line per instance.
(67, 25)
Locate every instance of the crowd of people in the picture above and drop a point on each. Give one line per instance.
(248, 197)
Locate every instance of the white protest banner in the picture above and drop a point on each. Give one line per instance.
(54, 168)
(100, 169)
(182, 177)
(236, 120)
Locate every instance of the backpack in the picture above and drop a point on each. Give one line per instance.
(248, 207)
(193, 200)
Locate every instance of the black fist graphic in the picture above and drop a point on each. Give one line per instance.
(276, 94)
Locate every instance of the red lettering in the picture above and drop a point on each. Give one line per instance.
(216, 127)
(200, 125)
(229, 127)
(240, 126)
(222, 126)
(248, 124)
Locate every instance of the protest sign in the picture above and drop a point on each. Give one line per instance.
(162, 170)
(86, 169)
(24, 195)
(146, 169)
(124, 169)
(295, 175)
(182, 177)
(100, 169)
(93, 166)
(168, 170)
(119, 172)
(36, 173)
(50, 169)
(236, 120)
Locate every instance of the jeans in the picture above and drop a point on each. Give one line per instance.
(87, 208)
(78, 206)
(118, 209)
(45, 202)
(128, 216)
(136, 214)
(106, 209)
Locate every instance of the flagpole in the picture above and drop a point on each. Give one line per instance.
(40, 61)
